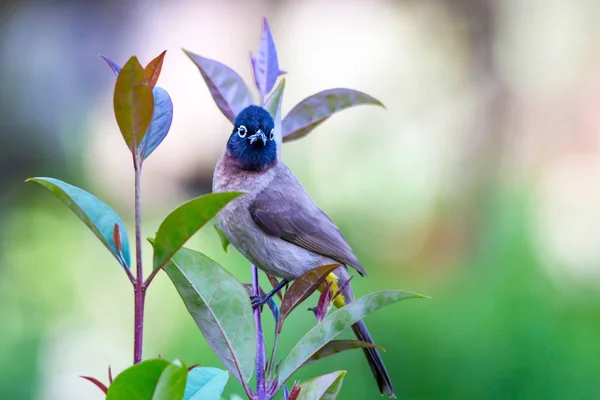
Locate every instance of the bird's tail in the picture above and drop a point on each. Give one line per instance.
(338, 278)
(375, 362)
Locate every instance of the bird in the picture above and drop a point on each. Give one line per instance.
(277, 226)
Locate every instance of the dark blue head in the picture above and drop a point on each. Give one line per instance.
(252, 142)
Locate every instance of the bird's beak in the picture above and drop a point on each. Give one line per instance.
(258, 135)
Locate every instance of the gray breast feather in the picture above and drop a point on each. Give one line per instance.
(271, 254)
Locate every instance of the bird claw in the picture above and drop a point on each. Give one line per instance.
(258, 301)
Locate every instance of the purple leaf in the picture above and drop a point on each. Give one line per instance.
(316, 109)
(337, 346)
(265, 65)
(227, 88)
(301, 289)
(324, 302)
(160, 124)
(115, 68)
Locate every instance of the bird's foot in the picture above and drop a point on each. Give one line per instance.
(258, 301)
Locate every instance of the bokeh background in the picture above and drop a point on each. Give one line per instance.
(479, 185)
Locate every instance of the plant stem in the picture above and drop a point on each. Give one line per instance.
(260, 342)
(138, 288)
(271, 360)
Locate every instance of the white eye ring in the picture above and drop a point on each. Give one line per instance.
(272, 134)
(242, 131)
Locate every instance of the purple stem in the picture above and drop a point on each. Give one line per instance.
(261, 391)
(139, 288)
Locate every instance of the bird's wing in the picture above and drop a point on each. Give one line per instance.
(283, 209)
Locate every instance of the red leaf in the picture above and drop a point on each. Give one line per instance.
(117, 238)
(295, 392)
(192, 367)
(153, 69)
(96, 382)
(301, 289)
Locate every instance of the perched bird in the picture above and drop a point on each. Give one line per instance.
(276, 225)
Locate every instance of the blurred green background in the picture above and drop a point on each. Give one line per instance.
(479, 185)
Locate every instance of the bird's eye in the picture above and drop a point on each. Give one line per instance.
(242, 131)
(272, 134)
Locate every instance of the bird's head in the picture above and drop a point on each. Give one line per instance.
(252, 143)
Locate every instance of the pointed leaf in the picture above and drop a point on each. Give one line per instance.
(153, 69)
(185, 221)
(96, 382)
(316, 109)
(337, 346)
(133, 103)
(227, 88)
(205, 383)
(324, 387)
(115, 68)
(273, 106)
(99, 217)
(149, 380)
(162, 116)
(220, 306)
(295, 392)
(266, 64)
(171, 384)
(336, 323)
(302, 288)
(224, 240)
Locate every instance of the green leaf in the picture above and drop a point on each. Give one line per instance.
(227, 88)
(150, 380)
(337, 346)
(324, 387)
(133, 103)
(171, 384)
(334, 324)
(316, 109)
(273, 106)
(224, 240)
(205, 383)
(220, 306)
(100, 218)
(301, 289)
(185, 221)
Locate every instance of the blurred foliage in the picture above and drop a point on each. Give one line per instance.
(498, 324)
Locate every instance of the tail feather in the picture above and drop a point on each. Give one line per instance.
(375, 362)
(338, 279)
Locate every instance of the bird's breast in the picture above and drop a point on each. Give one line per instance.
(271, 254)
